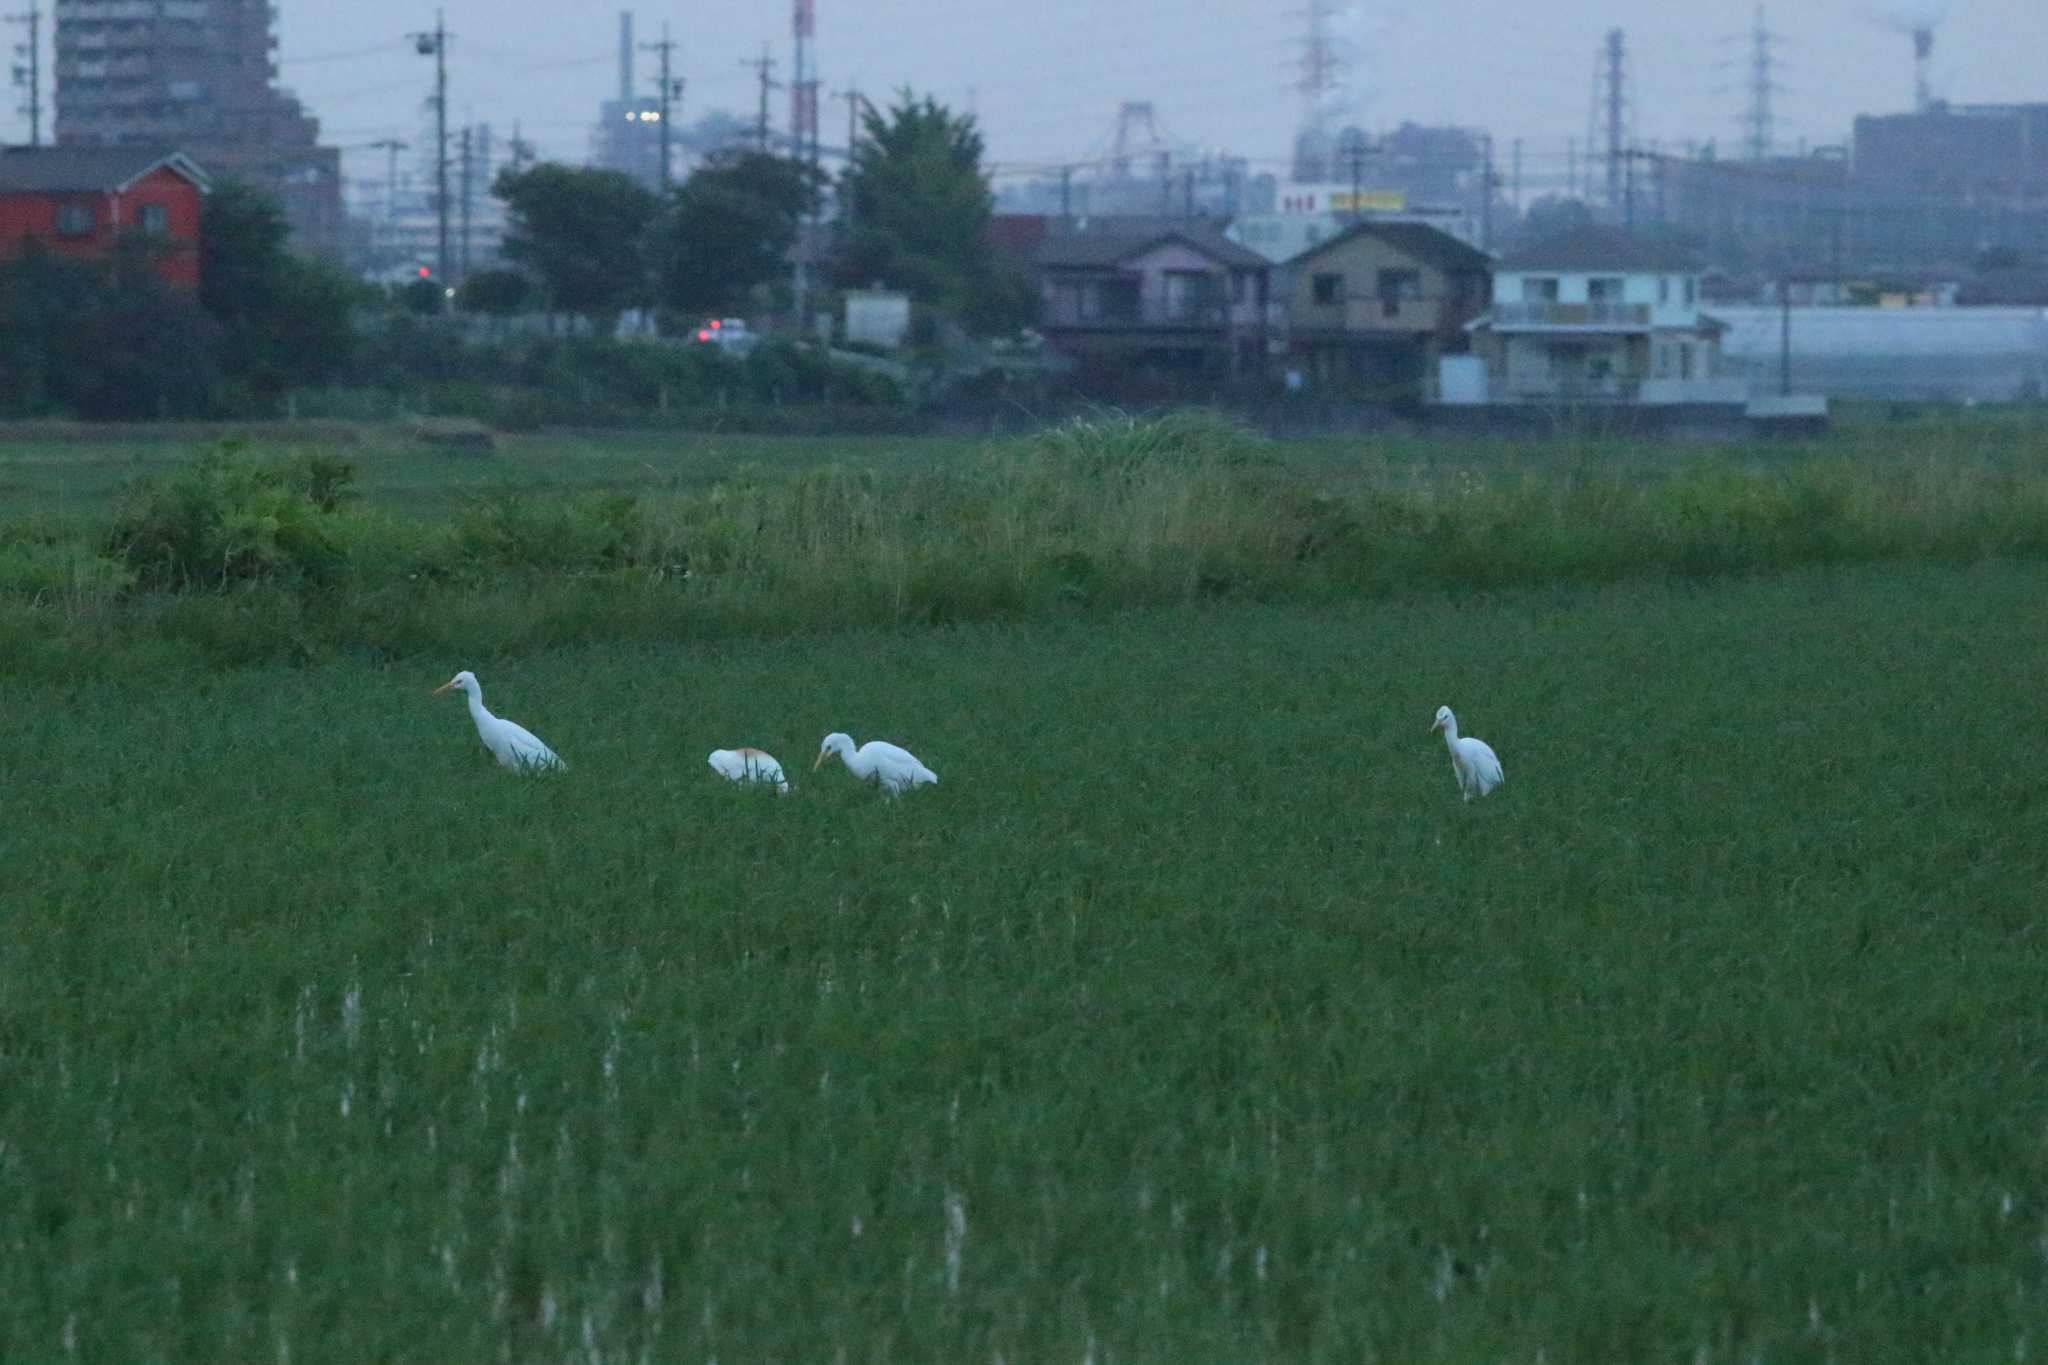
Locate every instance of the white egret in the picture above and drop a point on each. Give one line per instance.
(749, 765)
(896, 769)
(1474, 762)
(514, 746)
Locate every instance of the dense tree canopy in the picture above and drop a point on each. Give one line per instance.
(581, 232)
(729, 229)
(284, 320)
(917, 213)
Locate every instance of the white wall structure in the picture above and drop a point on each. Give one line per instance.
(1904, 354)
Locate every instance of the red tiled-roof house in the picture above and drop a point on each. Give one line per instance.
(79, 202)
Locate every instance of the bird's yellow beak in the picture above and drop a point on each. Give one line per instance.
(442, 688)
(819, 764)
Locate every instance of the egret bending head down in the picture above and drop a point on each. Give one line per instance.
(897, 770)
(1472, 760)
(514, 746)
(749, 765)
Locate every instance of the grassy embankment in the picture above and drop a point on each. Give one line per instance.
(270, 556)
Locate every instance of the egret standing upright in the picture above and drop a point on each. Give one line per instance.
(514, 746)
(1473, 761)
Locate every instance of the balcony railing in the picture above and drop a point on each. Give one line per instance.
(1148, 314)
(1547, 313)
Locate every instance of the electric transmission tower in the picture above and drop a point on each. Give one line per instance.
(1607, 122)
(1320, 75)
(1758, 134)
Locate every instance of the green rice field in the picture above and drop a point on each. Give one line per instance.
(1192, 1017)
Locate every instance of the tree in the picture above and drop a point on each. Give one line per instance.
(729, 229)
(284, 320)
(500, 293)
(1554, 215)
(581, 232)
(918, 213)
(102, 341)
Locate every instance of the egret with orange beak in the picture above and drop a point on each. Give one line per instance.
(514, 746)
(896, 770)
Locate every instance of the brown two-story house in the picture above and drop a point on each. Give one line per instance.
(1370, 310)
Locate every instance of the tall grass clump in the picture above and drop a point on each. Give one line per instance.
(1110, 511)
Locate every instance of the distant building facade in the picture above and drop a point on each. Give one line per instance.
(196, 75)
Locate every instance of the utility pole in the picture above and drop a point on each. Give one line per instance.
(1784, 335)
(669, 93)
(763, 65)
(1353, 148)
(1518, 177)
(435, 45)
(1486, 192)
(30, 76)
(854, 104)
(1616, 113)
(1571, 167)
(1066, 194)
(520, 151)
(1188, 193)
(393, 146)
(462, 256)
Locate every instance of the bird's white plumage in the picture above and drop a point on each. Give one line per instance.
(749, 765)
(514, 746)
(896, 770)
(1472, 760)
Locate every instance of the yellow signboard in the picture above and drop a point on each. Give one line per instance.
(1368, 201)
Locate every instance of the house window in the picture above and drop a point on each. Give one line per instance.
(1692, 289)
(1604, 289)
(1329, 289)
(1539, 289)
(155, 219)
(1663, 289)
(1193, 296)
(74, 220)
(1684, 360)
(1397, 287)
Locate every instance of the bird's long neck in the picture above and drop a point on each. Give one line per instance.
(1450, 734)
(858, 765)
(477, 712)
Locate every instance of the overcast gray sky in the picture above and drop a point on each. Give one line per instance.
(1047, 76)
